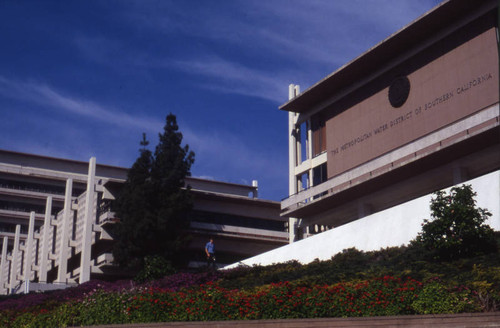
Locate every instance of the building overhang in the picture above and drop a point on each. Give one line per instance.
(238, 205)
(426, 30)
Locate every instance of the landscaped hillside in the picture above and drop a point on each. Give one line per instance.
(392, 281)
(453, 266)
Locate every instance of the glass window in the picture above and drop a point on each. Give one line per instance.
(318, 135)
(319, 174)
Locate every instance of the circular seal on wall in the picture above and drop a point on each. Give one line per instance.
(399, 91)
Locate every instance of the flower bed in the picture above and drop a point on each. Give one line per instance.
(375, 297)
(351, 284)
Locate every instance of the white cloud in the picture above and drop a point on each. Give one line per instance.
(45, 95)
(304, 40)
(231, 77)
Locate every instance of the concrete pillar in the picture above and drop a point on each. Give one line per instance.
(255, 184)
(28, 251)
(309, 140)
(459, 175)
(296, 89)
(291, 91)
(63, 255)
(88, 224)
(293, 154)
(3, 263)
(310, 154)
(44, 252)
(15, 260)
(364, 209)
(298, 132)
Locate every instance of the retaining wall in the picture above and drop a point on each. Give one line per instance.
(464, 320)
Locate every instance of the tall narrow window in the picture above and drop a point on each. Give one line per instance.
(319, 174)
(304, 142)
(303, 181)
(318, 135)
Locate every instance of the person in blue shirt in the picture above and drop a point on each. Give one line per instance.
(210, 250)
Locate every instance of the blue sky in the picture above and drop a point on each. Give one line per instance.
(87, 78)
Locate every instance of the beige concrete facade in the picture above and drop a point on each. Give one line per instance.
(450, 88)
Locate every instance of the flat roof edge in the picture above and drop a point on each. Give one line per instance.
(306, 98)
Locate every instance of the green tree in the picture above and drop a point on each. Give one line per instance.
(172, 163)
(457, 228)
(133, 208)
(153, 205)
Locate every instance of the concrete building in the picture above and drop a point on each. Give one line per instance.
(369, 143)
(55, 218)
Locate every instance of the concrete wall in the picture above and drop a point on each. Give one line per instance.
(444, 90)
(392, 227)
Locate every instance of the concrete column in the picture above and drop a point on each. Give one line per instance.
(255, 184)
(291, 91)
(293, 153)
(28, 251)
(364, 209)
(63, 255)
(459, 175)
(88, 223)
(309, 140)
(44, 256)
(298, 143)
(310, 181)
(3, 263)
(15, 260)
(296, 89)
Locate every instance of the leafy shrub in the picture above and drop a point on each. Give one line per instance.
(457, 229)
(155, 267)
(486, 284)
(436, 298)
(102, 308)
(63, 316)
(250, 277)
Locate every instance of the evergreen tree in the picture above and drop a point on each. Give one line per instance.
(153, 205)
(133, 208)
(172, 163)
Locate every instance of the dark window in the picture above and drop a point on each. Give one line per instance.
(303, 143)
(238, 221)
(319, 174)
(21, 206)
(11, 227)
(318, 135)
(31, 186)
